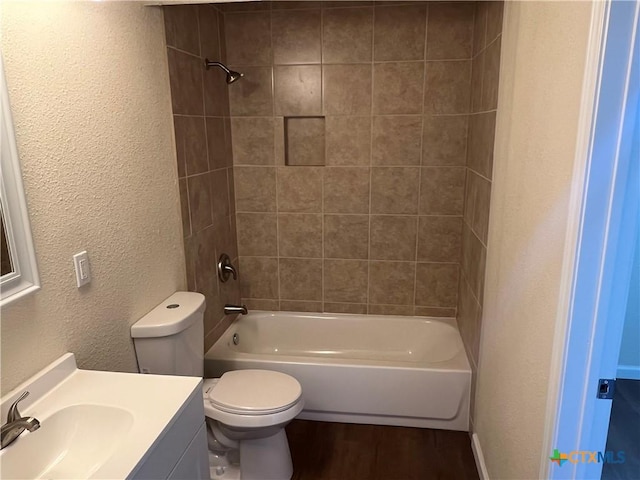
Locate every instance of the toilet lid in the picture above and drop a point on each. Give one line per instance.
(255, 392)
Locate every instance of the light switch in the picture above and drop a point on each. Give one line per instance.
(83, 270)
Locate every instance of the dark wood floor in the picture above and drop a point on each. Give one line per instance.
(342, 451)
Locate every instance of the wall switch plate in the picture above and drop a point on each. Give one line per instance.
(83, 271)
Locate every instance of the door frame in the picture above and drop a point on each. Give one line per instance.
(602, 200)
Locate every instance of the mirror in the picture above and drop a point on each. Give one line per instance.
(19, 273)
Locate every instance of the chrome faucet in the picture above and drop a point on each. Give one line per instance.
(233, 309)
(16, 424)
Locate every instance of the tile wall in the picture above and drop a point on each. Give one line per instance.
(203, 148)
(482, 122)
(379, 228)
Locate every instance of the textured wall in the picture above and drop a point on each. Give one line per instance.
(205, 165)
(543, 59)
(378, 228)
(482, 122)
(89, 90)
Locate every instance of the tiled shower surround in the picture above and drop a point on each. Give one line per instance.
(395, 221)
(379, 228)
(203, 150)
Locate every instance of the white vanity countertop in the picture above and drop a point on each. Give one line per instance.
(153, 402)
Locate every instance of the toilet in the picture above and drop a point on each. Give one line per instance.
(246, 410)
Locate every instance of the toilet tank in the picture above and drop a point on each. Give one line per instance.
(169, 340)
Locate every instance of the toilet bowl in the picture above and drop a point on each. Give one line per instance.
(246, 410)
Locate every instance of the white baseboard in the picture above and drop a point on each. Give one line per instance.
(477, 454)
(631, 372)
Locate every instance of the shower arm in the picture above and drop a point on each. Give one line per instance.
(208, 64)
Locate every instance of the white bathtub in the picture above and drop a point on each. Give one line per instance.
(375, 369)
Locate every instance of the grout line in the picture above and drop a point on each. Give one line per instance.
(371, 123)
(290, 257)
(424, 88)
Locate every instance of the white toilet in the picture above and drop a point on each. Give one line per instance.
(246, 410)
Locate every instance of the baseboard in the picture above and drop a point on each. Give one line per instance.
(477, 454)
(630, 372)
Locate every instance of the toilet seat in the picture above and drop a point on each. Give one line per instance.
(255, 392)
(252, 398)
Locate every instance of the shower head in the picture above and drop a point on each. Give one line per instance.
(231, 75)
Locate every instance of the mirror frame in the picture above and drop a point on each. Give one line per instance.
(24, 278)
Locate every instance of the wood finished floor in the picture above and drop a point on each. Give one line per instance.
(342, 451)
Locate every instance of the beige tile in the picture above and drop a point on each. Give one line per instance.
(354, 308)
(296, 37)
(185, 78)
(347, 89)
(346, 189)
(494, 20)
(405, 310)
(391, 283)
(217, 144)
(468, 309)
(348, 140)
(480, 144)
(478, 197)
(394, 190)
(445, 140)
(346, 281)
(216, 93)
(347, 35)
(248, 38)
(252, 96)
(480, 27)
(346, 236)
(209, 27)
(440, 239)
(259, 304)
(252, 140)
(477, 70)
(184, 207)
(219, 193)
(448, 87)
(181, 27)
(442, 190)
(300, 279)
(226, 240)
(293, 5)
(437, 284)
(300, 235)
(399, 32)
(473, 261)
(232, 191)
(298, 306)
(191, 145)
(305, 142)
(278, 140)
(398, 88)
(300, 189)
(259, 277)
(257, 234)
(203, 256)
(393, 238)
(243, 7)
(437, 312)
(397, 140)
(255, 189)
(491, 72)
(298, 90)
(199, 202)
(450, 30)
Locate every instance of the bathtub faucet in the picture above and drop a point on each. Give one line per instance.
(233, 309)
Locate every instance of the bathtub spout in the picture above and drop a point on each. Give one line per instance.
(233, 309)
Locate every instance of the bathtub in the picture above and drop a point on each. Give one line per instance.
(373, 369)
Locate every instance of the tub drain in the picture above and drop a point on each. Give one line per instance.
(236, 339)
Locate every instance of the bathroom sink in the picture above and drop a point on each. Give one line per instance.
(101, 425)
(73, 443)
